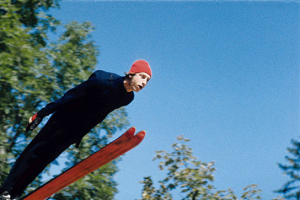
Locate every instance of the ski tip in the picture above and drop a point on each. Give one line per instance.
(141, 134)
(131, 131)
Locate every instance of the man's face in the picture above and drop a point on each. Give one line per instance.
(139, 81)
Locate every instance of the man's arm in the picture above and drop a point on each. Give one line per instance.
(73, 94)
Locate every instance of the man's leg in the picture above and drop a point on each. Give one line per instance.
(49, 143)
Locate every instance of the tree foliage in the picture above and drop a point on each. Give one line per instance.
(189, 177)
(34, 71)
(291, 189)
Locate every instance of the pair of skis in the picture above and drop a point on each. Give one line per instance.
(118, 147)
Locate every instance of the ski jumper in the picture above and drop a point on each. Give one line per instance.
(74, 115)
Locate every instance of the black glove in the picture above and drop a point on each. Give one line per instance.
(35, 120)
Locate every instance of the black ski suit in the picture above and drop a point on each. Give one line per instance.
(74, 115)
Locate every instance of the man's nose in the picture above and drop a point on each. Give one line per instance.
(144, 82)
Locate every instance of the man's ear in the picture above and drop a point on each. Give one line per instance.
(131, 76)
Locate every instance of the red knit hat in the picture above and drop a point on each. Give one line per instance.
(140, 66)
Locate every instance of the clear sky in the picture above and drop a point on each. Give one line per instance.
(225, 75)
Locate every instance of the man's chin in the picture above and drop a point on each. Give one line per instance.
(136, 89)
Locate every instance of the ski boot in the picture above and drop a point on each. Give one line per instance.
(4, 194)
(14, 198)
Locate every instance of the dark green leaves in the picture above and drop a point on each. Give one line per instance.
(34, 71)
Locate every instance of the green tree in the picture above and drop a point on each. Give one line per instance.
(291, 189)
(34, 71)
(190, 177)
(22, 59)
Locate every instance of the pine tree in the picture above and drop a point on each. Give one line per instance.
(291, 189)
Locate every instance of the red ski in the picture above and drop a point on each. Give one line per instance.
(118, 147)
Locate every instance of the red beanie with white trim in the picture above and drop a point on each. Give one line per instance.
(140, 66)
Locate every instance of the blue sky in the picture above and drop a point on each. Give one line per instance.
(225, 75)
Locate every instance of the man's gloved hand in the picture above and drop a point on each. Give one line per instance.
(34, 121)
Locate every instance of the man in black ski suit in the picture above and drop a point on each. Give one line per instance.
(74, 115)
